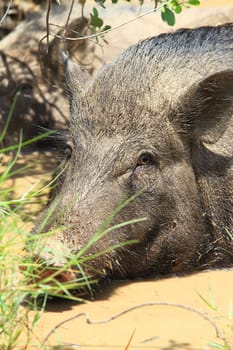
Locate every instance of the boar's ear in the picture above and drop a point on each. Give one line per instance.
(207, 107)
(76, 75)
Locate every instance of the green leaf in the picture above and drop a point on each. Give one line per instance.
(95, 12)
(114, 1)
(177, 8)
(96, 21)
(210, 303)
(194, 2)
(107, 27)
(82, 2)
(216, 345)
(168, 16)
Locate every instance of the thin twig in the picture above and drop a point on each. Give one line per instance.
(218, 332)
(6, 12)
(47, 22)
(130, 339)
(67, 23)
(69, 14)
(112, 28)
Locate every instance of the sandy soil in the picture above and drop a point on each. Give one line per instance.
(151, 327)
(213, 3)
(210, 3)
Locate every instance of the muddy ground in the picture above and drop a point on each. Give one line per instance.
(164, 327)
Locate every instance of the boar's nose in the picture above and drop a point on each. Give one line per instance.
(52, 252)
(53, 258)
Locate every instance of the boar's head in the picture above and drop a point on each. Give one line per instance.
(154, 124)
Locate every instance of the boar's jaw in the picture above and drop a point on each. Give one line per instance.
(60, 276)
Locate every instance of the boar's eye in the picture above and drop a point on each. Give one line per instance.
(69, 149)
(146, 158)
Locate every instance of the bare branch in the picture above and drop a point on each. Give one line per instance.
(218, 332)
(47, 21)
(6, 12)
(112, 28)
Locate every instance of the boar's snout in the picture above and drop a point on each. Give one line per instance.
(53, 259)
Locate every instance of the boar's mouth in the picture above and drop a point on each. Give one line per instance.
(60, 276)
(97, 273)
(61, 279)
(69, 280)
(55, 265)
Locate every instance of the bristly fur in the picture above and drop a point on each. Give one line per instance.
(156, 120)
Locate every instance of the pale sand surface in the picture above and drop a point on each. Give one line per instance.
(154, 327)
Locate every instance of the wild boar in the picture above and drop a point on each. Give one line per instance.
(155, 124)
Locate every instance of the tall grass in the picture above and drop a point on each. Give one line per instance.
(20, 287)
(14, 289)
(14, 319)
(17, 288)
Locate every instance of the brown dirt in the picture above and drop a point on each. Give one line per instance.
(151, 327)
